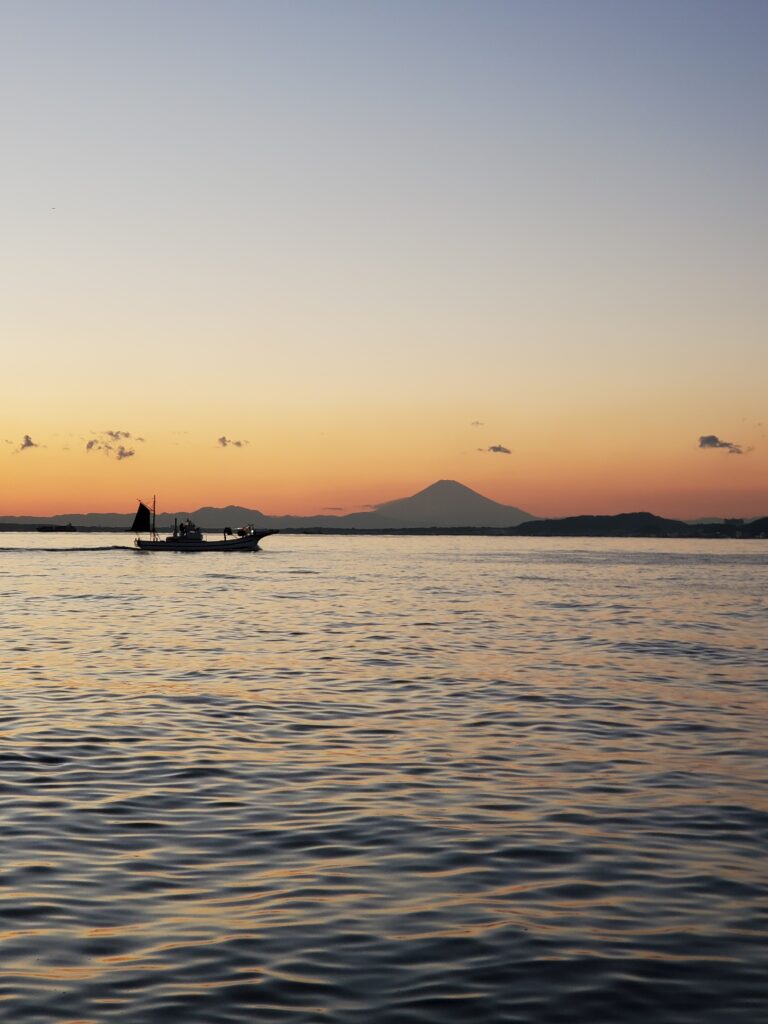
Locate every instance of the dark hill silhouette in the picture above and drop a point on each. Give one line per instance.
(626, 524)
(442, 507)
(756, 528)
(449, 503)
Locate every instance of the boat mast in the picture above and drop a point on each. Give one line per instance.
(154, 503)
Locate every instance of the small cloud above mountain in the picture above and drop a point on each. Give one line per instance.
(26, 444)
(228, 442)
(497, 449)
(712, 441)
(109, 443)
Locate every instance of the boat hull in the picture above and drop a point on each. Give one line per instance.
(249, 543)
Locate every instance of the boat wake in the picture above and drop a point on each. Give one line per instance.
(64, 551)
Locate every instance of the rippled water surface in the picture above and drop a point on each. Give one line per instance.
(384, 780)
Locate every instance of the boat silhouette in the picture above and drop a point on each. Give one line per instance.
(187, 536)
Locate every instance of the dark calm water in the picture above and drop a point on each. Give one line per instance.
(384, 780)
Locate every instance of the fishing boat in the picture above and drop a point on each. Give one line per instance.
(187, 536)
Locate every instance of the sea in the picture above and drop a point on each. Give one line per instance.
(384, 780)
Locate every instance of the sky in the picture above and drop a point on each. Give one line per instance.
(310, 255)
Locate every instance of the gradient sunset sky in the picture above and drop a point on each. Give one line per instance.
(310, 255)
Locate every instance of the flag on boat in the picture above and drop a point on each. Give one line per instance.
(143, 521)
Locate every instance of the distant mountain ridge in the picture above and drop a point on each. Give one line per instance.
(445, 503)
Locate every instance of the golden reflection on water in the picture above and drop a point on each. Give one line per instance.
(317, 771)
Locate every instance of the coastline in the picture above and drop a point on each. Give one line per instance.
(708, 531)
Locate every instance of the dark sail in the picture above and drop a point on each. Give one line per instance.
(143, 521)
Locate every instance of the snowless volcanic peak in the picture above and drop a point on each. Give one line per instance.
(449, 503)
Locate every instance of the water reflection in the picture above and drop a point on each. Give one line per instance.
(403, 778)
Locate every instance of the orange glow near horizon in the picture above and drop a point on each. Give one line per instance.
(554, 270)
(335, 472)
(350, 443)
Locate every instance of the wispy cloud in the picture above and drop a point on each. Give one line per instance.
(713, 441)
(109, 443)
(497, 449)
(26, 444)
(477, 423)
(227, 442)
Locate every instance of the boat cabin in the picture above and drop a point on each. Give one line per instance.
(185, 531)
